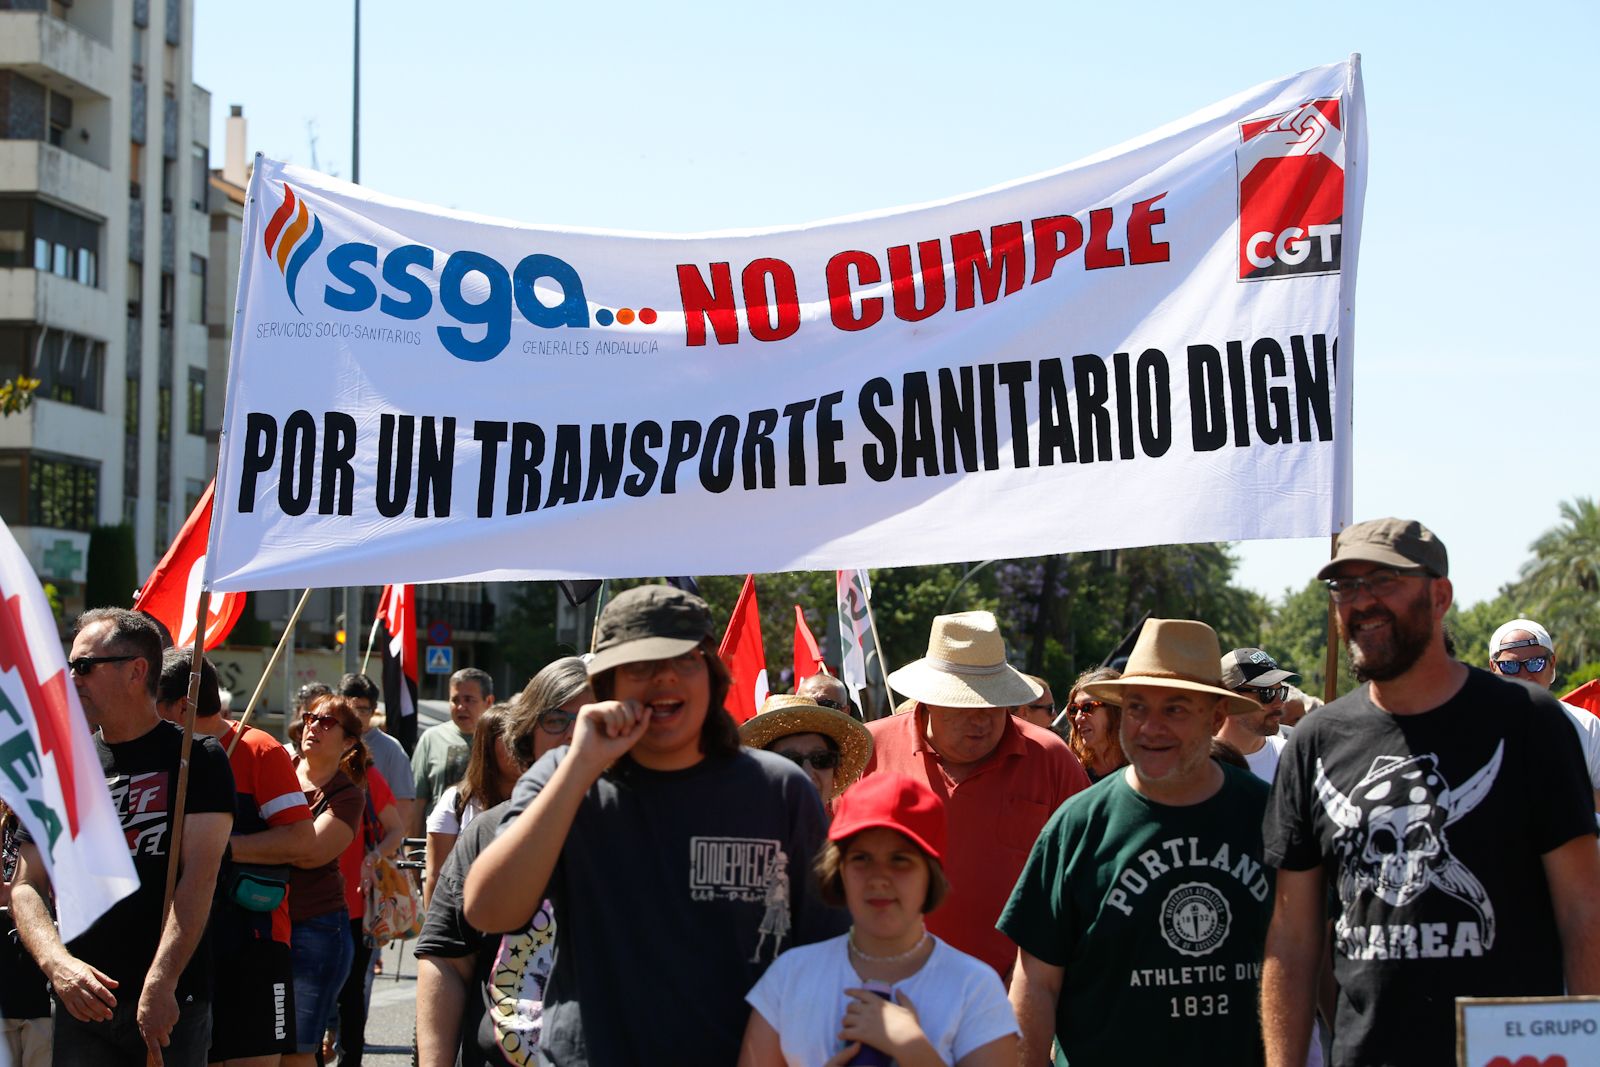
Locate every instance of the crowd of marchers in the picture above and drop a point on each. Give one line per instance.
(1186, 861)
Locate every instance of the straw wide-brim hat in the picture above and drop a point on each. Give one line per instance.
(1174, 654)
(965, 667)
(785, 714)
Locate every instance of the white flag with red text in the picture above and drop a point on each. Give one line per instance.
(52, 776)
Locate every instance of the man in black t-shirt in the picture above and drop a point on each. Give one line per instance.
(662, 846)
(133, 984)
(1449, 810)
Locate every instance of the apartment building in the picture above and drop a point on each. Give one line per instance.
(105, 201)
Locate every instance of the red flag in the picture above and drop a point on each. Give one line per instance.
(807, 655)
(743, 653)
(172, 592)
(397, 612)
(1586, 696)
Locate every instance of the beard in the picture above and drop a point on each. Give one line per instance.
(1384, 658)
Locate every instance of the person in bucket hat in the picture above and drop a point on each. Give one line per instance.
(829, 745)
(1144, 898)
(1439, 814)
(999, 776)
(676, 858)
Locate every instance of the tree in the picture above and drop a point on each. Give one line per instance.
(16, 394)
(525, 633)
(1297, 637)
(1560, 586)
(1063, 613)
(111, 574)
(1472, 627)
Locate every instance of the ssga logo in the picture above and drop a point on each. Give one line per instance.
(1291, 192)
(292, 235)
(475, 290)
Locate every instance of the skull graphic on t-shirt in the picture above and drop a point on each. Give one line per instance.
(1391, 834)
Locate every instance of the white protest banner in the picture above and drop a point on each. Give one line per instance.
(50, 773)
(1136, 349)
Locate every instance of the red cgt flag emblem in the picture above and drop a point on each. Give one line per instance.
(172, 592)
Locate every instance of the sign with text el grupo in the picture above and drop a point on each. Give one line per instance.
(1149, 346)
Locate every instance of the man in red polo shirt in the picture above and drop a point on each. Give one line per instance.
(1001, 777)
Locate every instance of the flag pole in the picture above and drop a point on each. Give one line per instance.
(266, 672)
(877, 644)
(371, 641)
(599, 602)
(180, 802)
(1330, 677)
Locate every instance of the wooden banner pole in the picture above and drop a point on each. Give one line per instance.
(266, 672)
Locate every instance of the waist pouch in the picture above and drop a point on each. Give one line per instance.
(258, 887)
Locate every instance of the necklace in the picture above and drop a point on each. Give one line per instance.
(901, 958)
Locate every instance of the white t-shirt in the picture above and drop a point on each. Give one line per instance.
(442, 819)
(960, 1001)
(1264, 760)
(1588, 727)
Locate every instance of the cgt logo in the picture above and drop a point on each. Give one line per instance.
(475, 290)
(1291, 192)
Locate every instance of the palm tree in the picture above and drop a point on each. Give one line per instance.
(1561, 584)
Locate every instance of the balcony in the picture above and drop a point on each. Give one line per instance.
(55, 54)
(28, 295)
(39, 167)
(471, 620)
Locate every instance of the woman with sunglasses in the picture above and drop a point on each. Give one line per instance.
(829, 745)
(331, 765)
(1095, 726)
(488, 780)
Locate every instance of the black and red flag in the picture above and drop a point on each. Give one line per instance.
(397, 621)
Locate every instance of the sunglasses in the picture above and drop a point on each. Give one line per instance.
(1046, 706)
(556, 722)
(322, 720)
(822, 761)
(828, 702)
(84, 664)
(1265, 694)
(1535, 664)
(1084, 707)
(645, 670)
(1377, 583)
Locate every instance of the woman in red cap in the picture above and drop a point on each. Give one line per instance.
(888, 990)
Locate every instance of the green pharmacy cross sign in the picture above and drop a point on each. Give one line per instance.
(62, 560)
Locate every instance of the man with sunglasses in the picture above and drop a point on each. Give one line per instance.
(1449, 811)
(1522, 651)
(1257, 734)
(134, 983)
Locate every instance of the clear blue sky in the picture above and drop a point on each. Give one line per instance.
(1476, 360)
